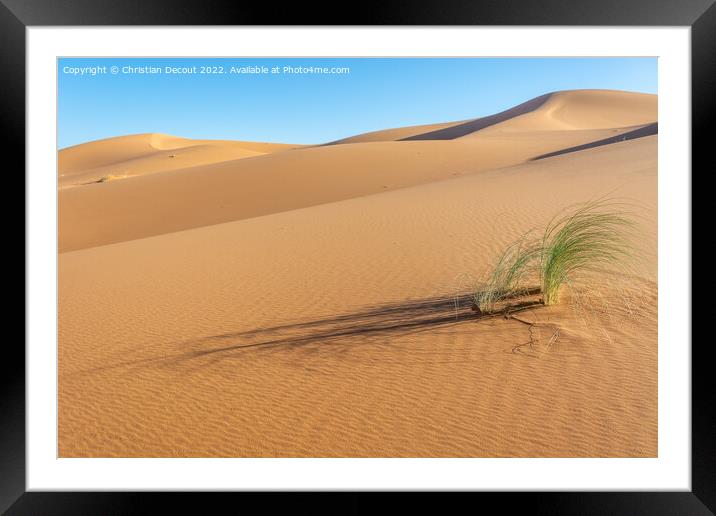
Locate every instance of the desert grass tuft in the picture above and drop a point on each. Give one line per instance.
(506, 278)
(593, 236)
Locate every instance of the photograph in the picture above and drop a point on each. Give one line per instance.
(359, 257)
(440, 250)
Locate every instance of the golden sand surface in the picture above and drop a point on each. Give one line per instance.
(238, 299)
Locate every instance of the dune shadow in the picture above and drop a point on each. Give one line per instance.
(641, 132)
(471, 126)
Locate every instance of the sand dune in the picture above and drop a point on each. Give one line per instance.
(330, 331)
(301, 302)
(564, 110)
(204, 184)
(100, 214)
(128, 156)
(585, 109)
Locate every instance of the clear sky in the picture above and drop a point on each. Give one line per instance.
(313, 107)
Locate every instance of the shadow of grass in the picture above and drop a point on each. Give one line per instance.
(379, 321)
(387, 321)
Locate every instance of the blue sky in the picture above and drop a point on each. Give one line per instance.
(309, 107)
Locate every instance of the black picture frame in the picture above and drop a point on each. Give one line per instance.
(16, 15)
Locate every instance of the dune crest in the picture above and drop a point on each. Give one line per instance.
(103, 152)
(562, 110)
(587, 109)
(167, 142)
(473, 126)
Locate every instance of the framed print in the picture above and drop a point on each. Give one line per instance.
(439, 250)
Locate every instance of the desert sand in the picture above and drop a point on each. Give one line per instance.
(238, 299)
